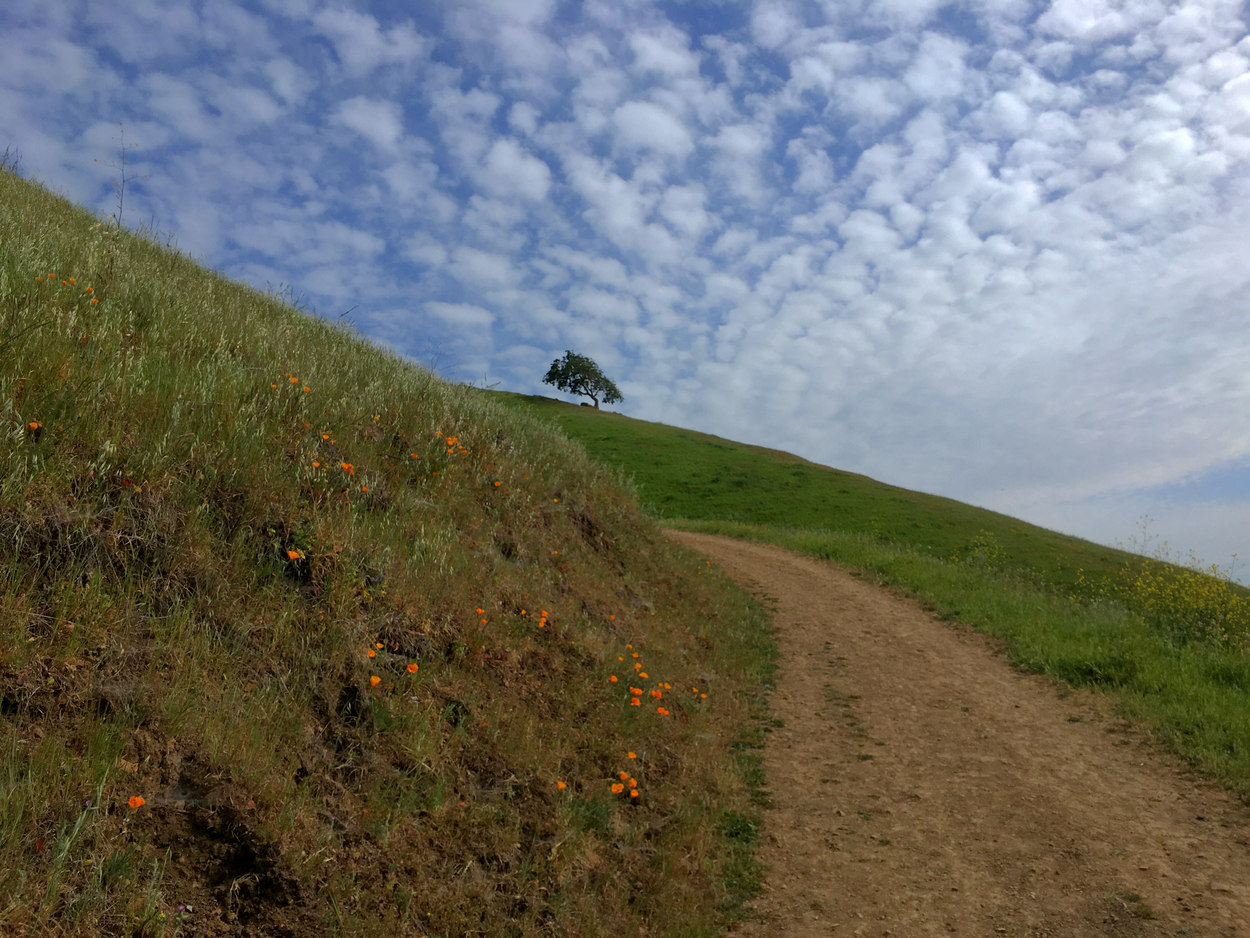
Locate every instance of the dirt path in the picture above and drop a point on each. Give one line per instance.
(920, 786)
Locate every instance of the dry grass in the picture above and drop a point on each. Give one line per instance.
(346, 631)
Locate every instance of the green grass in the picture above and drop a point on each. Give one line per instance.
(227, 530)
(1167, 642)
(682, 474)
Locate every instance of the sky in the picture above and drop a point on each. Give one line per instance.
(997, 250)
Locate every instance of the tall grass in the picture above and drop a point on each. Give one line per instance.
(295, 637)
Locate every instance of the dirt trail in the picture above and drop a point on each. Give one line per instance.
(921, 786)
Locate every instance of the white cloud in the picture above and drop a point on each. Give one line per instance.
(666, 52)
(363, 46)
(641, 125)
(33, 63)
(773, 23)
(425, 251)
(482, 268)
(509, 170)
(180, 104)
(685, 209)
(1098, 20)
(938, 71)
(462, 315)
(288, 81)
(378, 121)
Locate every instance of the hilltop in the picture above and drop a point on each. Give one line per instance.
(299, 639)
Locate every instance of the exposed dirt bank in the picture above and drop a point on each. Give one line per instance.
(921, 786)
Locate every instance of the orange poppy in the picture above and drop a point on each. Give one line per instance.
(136, 802)
(374, 680)
(617, 788)
(412, 668)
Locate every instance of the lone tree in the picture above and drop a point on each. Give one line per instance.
(577, 374)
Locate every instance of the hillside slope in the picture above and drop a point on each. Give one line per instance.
(296, 639)
(687, 475)
(1168, 641)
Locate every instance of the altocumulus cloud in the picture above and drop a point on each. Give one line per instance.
(990, 250)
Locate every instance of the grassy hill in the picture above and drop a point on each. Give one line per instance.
(686, 475)
(297, 639)
(1170, 644)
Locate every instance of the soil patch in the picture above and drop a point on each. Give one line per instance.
(919, 785)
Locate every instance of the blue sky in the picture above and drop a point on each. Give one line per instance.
(993, 250)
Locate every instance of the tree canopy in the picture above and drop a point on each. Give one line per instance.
(578, 374)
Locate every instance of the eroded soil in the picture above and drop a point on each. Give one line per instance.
(921, 786)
